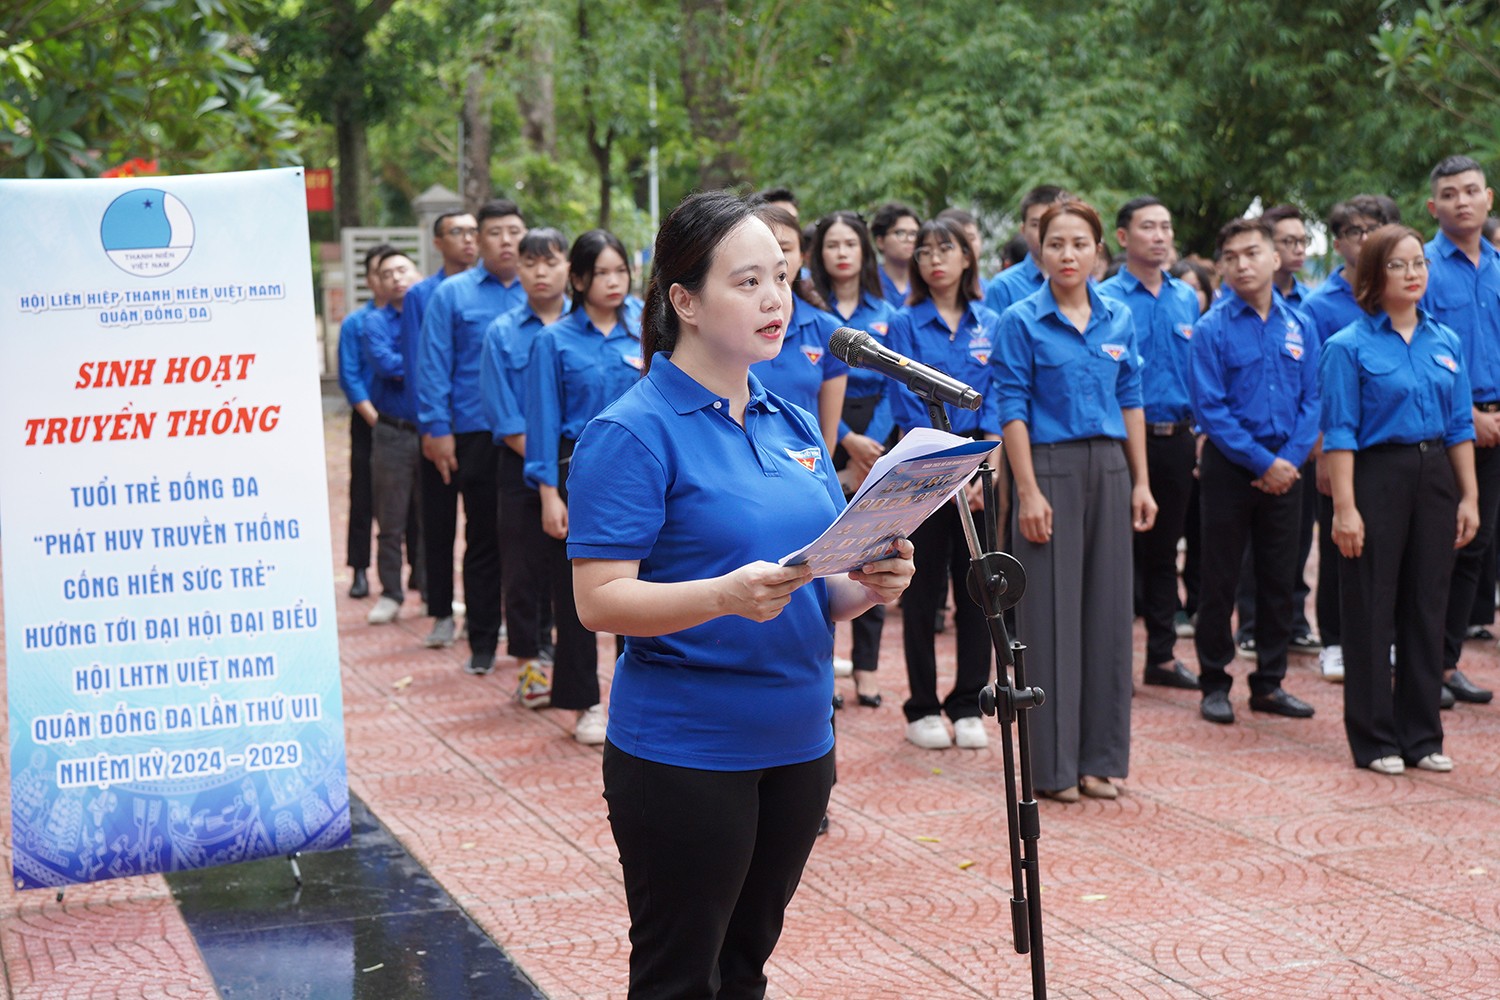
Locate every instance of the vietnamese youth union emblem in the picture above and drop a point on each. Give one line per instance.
(812, 354)
(1447, 362)
(147, 232)
(1113, 351)
(807, 457)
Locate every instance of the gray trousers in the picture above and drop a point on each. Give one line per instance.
(1075, 617)
(395, 457)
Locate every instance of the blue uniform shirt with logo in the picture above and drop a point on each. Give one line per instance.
(354, 371)
(797, 373)
(873, 316)
(387, 373)
(576, 370)
(508, 343)
(1012, 285)
(1066, 385)
(453, 326)
(1331, 306)
(893, 295)
(1255, 382)
(667, 478)
(1466, 299)
(1164, 335)
(1378, 389)
(919, 332)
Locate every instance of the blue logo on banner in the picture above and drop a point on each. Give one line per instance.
(147, 232)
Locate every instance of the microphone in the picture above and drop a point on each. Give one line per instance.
(858, 349)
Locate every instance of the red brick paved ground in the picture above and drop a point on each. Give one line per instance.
(1246, 861)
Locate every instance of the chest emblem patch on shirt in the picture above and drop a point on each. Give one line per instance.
(1447, 362)
(1293, 331)
(1113, 351)
(879, 329)
(1185, 331)
(807, 457)
(1294, 349)
(980, 353)
(634, 361)
(812, 354)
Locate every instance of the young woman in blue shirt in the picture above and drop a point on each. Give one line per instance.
(684, 493)
(945, 327)
(580, 365)
(1068, 382)
(844, 273)
(1398, 446)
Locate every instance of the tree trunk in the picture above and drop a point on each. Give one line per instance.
(537, 102)
(349, 133)
(708, 91)
(477, 140)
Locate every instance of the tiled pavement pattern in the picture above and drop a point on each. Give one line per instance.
(1246, 861)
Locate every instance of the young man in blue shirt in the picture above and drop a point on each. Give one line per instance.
(1463, 292)
(456, 441)
(1255, 397)
(354, 379)
(396, 451)
(1163, 309)
(1015, 283)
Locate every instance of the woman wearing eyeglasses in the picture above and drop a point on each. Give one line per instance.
(1398, 443)
(947, 328)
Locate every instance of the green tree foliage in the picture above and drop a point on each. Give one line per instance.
(1448, 54)
(86, 84)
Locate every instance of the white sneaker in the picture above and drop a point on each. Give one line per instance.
(1441, 763)
(969, 733)
(384, 612)
(1331, 662)
(592, 725)
(929, 733)
(842, 667)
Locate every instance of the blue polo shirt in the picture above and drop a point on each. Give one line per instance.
(1378, 389)
(1299, 292)
(508, 342)
(1255, 383)
(893, 295)
(666, 477)
(387, 381)
(448, 400)
(576, 370)
(354, 371)
(1066, 385)
(1331, 306)
(413, 308)
(920, 333)
(1466, 299)
(1012, 285)
(1163, 334)
(873, 316)
(805, 363)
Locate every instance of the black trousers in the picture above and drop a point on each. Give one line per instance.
(1330, 617)
(1408, 498)
(477, 482)
(575, 661)
(711, 859)
(1245, 596)
(1192, 559)
(1232, 512)
(941, 554)
(1484, 594)
(1170, 462)
(361, 493)
(525, 560)
(1472, 567)
(865, 629)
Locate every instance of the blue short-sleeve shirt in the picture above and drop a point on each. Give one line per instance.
(797, 373)
(1012, 285)
(919, 332)
(508, 343)
(666, 477)
(893, 295)
(873, 316)
(1331, 306)
(1066, 385)
(1164, 333)
(1378, 389)
(1466, 299)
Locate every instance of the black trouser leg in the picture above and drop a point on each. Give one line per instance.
(439, 529)
(1483, 612)
(1226, 513)
(361, 494)
(575, 662)
(1192, 558)
(1273, 534)
(1244, 597)
(941, 556)
(1470, 567)
(525, 567)
(1309, 513)
(865, 630)
(1170, 461)
(710, 859)
(477, 481)
(1330, 620)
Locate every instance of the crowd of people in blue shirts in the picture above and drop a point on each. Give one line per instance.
(1176, 435)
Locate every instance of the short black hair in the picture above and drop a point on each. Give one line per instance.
(498, 208)
(376, 254)
(437, 225)
(960, 216)
(1042, 194)
(1451, 165)
(1345, 212)
(774, 194)
(887, 215)
(1491, 227)
(542, 241)
(1235, 227)
(1281, 213)
(1389, 206)
(1127, 211)
(1014, 251)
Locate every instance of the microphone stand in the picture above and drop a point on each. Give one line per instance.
(996, 582)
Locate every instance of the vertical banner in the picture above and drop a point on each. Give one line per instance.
(171, 652)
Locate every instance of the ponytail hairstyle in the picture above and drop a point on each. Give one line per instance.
(774, 216)
(581, 261)
(685, 248)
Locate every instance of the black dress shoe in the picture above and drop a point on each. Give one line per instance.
(1466, 690)
(823, 825)
(361, 585)
(1279, 702)
(1445, 698)
(1172, 675)
(869, 700)
(1216, 708)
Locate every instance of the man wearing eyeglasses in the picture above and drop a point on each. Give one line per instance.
(1463, 291)
(1291, 243)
